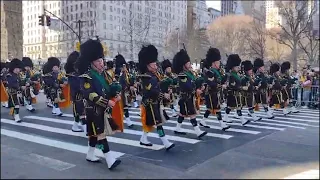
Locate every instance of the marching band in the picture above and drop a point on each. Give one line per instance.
(101, 93)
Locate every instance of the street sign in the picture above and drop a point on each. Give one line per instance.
(78, 46)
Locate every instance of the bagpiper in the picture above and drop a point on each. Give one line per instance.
(166, 66)
(56, 83)
(4, 94)
(151, 96)
(101, 96)
(15, 88)
(45, 87)
(30, 79)
(287, 83)
(234, 88)
(187, 83)
(261, 83)
(131, 66)
(248, 86)
(127, 86)
(213, 94)
(276, 99)
(75, 93)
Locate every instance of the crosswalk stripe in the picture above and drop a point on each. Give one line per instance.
(211, 126)
(276, 124)
(303, 111)
(127, 131)
(283, 125)
(69, 132)
(54, 143)
(191, 131)
(186, 130)
(169, 137)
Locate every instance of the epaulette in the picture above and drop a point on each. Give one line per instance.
(8, 75)
(85, 76)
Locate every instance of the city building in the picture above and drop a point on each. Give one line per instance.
(272, 14)
(231, 7)
(11, 30)
(213, 14)
(119, 25)
(315, 20)
(255, 9)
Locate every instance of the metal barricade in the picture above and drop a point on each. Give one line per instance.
(305, 96)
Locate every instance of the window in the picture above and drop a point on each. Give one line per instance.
(104, 16)
(105, 25)
(111, 9)
(111, 18)
(104, 7)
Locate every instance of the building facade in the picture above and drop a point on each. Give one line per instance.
(231, 7)
(255, 9)
(213, 14)
(11, 30)
(122, 26)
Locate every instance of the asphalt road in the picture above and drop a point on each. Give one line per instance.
(43, 146)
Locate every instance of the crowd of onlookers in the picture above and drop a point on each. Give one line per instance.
(307, 87)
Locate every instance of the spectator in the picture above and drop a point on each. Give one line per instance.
(306, 83)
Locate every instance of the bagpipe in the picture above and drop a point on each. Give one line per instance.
(4, 93)
(63, 93)
(115, 113)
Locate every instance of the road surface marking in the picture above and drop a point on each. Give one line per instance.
(211, 126)
(54, 143)
(81, 134)
(37, 159)
(127, 131)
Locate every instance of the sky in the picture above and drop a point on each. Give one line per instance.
(214, 4)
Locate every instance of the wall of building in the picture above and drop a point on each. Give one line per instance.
(107, 19)
(11, 29)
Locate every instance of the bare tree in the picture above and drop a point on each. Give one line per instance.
(256, 39)
(310, 46)
(173, 41)
(296, 15)
(228, 34)
(137, 28)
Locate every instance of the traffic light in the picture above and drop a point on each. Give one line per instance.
(41, 20)
(48, 18)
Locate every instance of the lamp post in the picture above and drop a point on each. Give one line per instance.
(178, 29)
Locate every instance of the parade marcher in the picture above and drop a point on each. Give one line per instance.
(111, 68)
(234, 88)
(56, 81)
(30, 79)
(100, 95)
(287, 83)
(166, 66)
(75, 93)
(131, 66)
(4, 94)
(187, 84)
(45, 87)
(213, 95)
(127, 86)
(151, 96)
(262, 83)
(247, 81)
(15, 88)
(276, 87)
